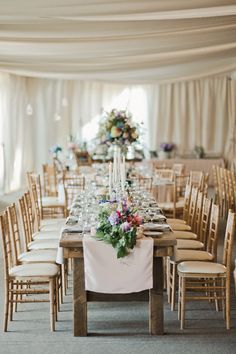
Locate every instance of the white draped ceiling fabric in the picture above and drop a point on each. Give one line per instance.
(177, 55)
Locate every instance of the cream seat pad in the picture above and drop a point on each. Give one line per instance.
(43, 244)
(39, 256)
(192, 255)
(46, 235)
(34, 270)
(201, 267)
(186, 235)
(174, 221)
(189, 244)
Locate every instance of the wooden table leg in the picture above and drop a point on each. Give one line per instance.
(79, 299)
(156, 310)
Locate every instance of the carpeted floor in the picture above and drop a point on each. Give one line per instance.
(117, 328)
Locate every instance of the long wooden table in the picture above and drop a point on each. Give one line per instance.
(73, 248)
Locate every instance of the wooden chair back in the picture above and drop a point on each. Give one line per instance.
(15, 232)
(29, 210)
(165, 174)
(205, 218)
(187, 197)
(192, 206)
(49, 180)
(36, 207)
(197, 179)
(198, 213)
(73, 185)
(216, 185)
(213, 231)
(229, 239)
(24, 215)
(8, 258)
(178, 169)
(145, 183)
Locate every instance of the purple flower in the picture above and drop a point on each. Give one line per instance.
(125, 226)
(167, 147)
(114, 219)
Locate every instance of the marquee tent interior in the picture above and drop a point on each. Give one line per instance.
(171, 62)
(63, 63)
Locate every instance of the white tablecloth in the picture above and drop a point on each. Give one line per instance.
(105, 273)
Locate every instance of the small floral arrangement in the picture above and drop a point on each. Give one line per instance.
(167, 147)
(118, 225)
(55, 149)
(199, 151)
(117, 127)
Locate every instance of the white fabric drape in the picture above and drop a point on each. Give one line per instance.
(187, 114)
(118, 41)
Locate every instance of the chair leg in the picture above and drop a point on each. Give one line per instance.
(6, 306)
(179, 299)
(182, 315)
(173, 287)
(223, 298)
(227, 303)
(52, 301)
(11, 300)
(215, 296)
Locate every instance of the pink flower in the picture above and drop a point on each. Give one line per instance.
(125, 226)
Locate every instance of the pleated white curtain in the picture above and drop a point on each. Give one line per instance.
(187, 114)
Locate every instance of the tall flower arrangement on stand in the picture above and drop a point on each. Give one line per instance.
(117, 127)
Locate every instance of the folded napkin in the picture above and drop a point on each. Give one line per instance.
(71, 220)
(156, 227)
(104, 273)
(76, 229)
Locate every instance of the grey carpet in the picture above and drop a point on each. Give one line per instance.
(118, 328)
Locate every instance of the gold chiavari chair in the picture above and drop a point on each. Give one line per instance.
(209, 255)
(49, 180)
(202, 223)
(213, 279)
(73, 185)
(50, 207)
(22, 280)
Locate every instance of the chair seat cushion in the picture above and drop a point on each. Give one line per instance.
(46, 235)
(52, 201)
(40, 256)
(34, 270)
(43, 244)
(192, 255)
(180, 227)
(174, 221)
(201, 267)
(189, 244)
(185, 235)
(170, 205)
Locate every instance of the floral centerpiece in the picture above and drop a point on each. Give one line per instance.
(166, 150)
(118, 225)
(117, 127)
(167, 147)
(55, 149)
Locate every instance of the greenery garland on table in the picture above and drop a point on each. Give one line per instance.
(118, 225)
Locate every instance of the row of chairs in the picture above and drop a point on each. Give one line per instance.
(225, 189)
(57, 206)
(31, 270)
(195, 257)
(176, 188)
